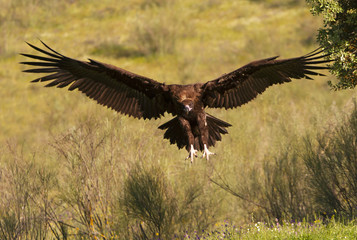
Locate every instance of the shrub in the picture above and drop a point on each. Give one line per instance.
(150, 202)
(90, 180)
(158, 209)
(157, 31)
(285, 192)
(25, 199)
(306, 181)
(332, 167)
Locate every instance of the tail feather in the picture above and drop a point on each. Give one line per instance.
(216, 127)
(176, 134)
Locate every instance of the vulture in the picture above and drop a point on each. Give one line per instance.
(142, 97)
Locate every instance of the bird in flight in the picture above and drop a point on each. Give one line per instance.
(142, 97)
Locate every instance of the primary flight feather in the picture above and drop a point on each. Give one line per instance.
(142, 97)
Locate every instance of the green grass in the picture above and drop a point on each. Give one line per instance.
(299, 230)
(66, 159)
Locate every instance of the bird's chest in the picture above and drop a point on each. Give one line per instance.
(190, 116)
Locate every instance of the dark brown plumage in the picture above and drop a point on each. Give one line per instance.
(142, 97)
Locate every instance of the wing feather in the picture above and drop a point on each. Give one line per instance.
(64, 83)
(120, 101)
(244, 84)
(116, 88)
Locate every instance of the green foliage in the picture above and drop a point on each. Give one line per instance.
(338, 37)
(149, 199)
(304, 181)
(279, 190)
(333, 169)
(157, 30)
(155, 3)
(9, 226)
(116, 50)
(278, 3)
(158, 209)
(285, 192)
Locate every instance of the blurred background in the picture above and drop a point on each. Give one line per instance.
(70, 166)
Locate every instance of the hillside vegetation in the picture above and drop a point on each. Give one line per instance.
(71, 169)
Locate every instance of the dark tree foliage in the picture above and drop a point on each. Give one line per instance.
(339, 37)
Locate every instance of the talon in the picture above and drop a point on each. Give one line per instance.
(206, 153)
(192, 153)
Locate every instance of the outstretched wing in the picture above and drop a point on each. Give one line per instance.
(116, 88)
(244, 84)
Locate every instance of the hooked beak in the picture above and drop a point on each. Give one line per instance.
(187, 109)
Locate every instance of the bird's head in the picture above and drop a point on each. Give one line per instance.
(187, 105)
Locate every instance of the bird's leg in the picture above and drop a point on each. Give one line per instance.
(206, 152)
(204, 134)
(192, 153)
(186, 127)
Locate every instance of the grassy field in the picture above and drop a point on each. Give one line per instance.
(67, 165)
(298, 230)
